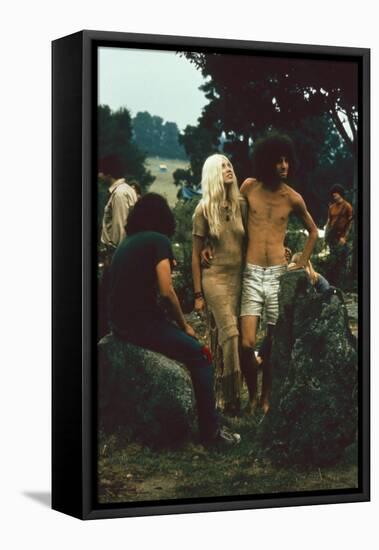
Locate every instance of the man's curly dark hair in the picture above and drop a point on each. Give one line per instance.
(267, 152)
(151, 213)
(337, 188)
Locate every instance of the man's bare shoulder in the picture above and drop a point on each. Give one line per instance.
(295, 197)
(248, 185)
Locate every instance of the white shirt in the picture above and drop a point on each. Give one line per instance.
(116, 212)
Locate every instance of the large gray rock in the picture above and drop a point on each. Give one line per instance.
(313, 415)
(145, 394)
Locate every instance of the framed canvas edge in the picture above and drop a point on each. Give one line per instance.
(230, 506)
(228, 43)
(90, 510)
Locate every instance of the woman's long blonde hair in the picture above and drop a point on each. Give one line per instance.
(214, 194)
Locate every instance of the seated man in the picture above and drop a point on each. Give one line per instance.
(318, 281)
(140, 269)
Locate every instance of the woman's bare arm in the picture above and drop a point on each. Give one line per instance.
(197, 246)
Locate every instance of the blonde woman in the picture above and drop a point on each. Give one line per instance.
(217, 223)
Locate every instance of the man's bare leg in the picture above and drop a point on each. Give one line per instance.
(267, 373)
(249, 365)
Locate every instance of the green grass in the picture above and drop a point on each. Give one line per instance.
(164, 183)
(129, 472)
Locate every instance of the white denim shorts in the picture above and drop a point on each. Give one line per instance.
(260, 288)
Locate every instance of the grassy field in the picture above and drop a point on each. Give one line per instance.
(164, 181)
(129, 472)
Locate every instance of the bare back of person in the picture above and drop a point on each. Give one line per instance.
(268, 214)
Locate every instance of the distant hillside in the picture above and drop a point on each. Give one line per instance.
(164, 183)
(153, 136)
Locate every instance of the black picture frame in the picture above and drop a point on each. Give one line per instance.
(74, 280)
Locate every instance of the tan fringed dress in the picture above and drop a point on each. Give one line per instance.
(221, 285)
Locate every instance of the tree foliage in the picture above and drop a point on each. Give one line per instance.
(183, 213)
(183, 177)
(199, 142)
(118, 155)
(276, 90)
(306, 98)
(155, 137)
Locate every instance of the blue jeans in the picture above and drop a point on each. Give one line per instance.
(163, 337)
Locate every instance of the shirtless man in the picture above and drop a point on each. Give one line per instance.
(340, 217)
(270, 202)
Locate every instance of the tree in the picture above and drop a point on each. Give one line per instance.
(184, 177)
(157, 138)
(308, 99)
(147, 132)
(199, 142)
(117, 154)
(313, 100)
(170, 145)
(272, 91)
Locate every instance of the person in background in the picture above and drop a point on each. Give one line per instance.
(340, 217)
(287, 254)
(122, 198)
(137, 188)
(317, 280)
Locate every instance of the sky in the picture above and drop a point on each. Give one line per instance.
(157, 81)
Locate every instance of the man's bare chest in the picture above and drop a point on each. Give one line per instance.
(273, 210)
